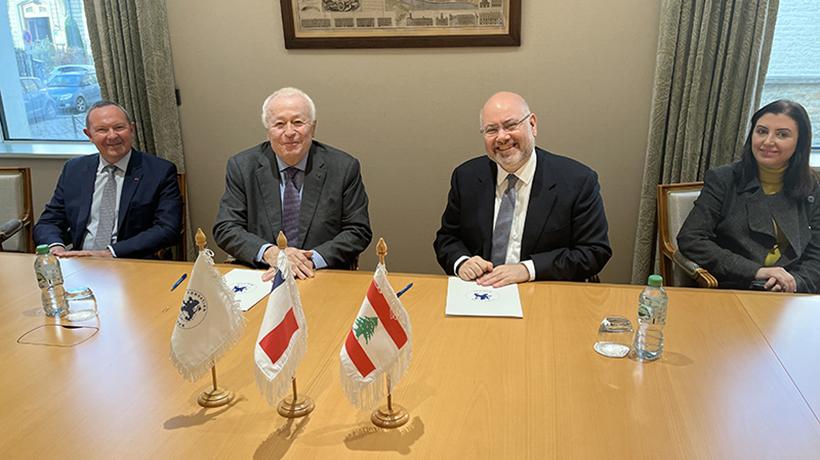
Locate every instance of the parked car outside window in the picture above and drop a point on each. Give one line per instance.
(39, 104)
(74, 90)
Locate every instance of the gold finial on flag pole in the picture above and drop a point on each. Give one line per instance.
(216, 396)
(292, 406)
(388, 416)
(381, 250)
(200, 239)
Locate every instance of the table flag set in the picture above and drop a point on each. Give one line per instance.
(282, 341)
(375, 355)
(208, 326)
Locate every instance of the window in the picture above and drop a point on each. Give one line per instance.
(47, 76)
(794, 66)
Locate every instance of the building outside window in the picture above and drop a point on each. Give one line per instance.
(47, 76)
(794, 66)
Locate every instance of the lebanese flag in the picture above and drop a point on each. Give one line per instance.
(282, 340)
(379, 346)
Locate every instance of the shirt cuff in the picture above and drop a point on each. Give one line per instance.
(318, 261)
(459, 261)
(113, 253)
(260, 256)
(530, 268)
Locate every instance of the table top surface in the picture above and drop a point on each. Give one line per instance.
(739, 377)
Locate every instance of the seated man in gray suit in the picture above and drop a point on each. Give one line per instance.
(310, 191)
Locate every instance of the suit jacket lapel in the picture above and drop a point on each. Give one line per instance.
(542, 200)
(485, 188)
(315, 175)
(267, 180)
(133, 175)
(86, 184)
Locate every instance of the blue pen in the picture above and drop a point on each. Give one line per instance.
(181, 279)
(404, 290)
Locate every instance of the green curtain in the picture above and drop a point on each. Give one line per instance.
(711, 63)
(132, 53)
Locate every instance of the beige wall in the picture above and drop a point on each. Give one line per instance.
(411, 115)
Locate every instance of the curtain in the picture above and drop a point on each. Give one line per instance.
(132, 53)
(710, 68)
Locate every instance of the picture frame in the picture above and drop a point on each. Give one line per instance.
(340, 24)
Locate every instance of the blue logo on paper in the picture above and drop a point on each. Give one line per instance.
(482, 295)
(193, 311)
(243, 288)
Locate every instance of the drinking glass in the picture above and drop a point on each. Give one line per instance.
(82, 305)
(614, 337)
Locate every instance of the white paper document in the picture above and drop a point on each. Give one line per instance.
(247, 286)
(466, 298)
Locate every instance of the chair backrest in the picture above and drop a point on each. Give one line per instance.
(180, 250)
(675, 202)
(15, 188)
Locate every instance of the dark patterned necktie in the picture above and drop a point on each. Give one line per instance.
(290, 208)
(108, 204)
(503, 223)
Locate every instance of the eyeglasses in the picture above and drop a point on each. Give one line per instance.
(510, 126)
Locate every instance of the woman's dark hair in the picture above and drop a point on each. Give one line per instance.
(800, 180)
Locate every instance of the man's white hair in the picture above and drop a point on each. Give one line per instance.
(287, 91)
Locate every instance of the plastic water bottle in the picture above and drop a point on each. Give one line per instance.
(651, 319)
(50, 279)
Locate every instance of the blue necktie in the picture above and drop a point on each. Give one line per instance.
(503, 223)
(290, 208)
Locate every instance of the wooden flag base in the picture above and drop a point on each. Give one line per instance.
(289, 408)
(215, 397)
(385, 417)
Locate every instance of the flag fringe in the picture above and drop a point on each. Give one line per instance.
(276, 389)
(369, 396)
(192, 375)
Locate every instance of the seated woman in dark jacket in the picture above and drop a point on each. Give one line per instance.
(759, 218)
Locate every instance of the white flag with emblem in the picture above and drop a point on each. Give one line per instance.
(209, 321)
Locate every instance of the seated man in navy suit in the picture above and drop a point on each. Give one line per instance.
(538, 216)
(118, 203)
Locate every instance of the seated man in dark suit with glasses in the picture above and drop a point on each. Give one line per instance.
(539, 216)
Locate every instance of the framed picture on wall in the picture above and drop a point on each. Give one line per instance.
(400, 23)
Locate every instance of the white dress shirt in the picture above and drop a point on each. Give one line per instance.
(523, 187)
(94, 214)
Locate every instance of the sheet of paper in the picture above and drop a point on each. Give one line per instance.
(247, 286)
(466, 298)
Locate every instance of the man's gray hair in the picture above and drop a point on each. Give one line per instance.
(104, 103)
(287, 91)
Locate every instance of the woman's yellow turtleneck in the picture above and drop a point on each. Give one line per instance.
(772, 182)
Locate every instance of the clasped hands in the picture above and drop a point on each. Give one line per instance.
(62, 252)
(300, 262)
(483, 272)
(777, 279)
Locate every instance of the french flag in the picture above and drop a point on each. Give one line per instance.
(282, 340)
(378, 347)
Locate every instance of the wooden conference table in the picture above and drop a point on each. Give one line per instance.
(739, 378)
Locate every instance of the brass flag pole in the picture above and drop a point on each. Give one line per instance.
(293, 406)
(389, 416)
(216, 396)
